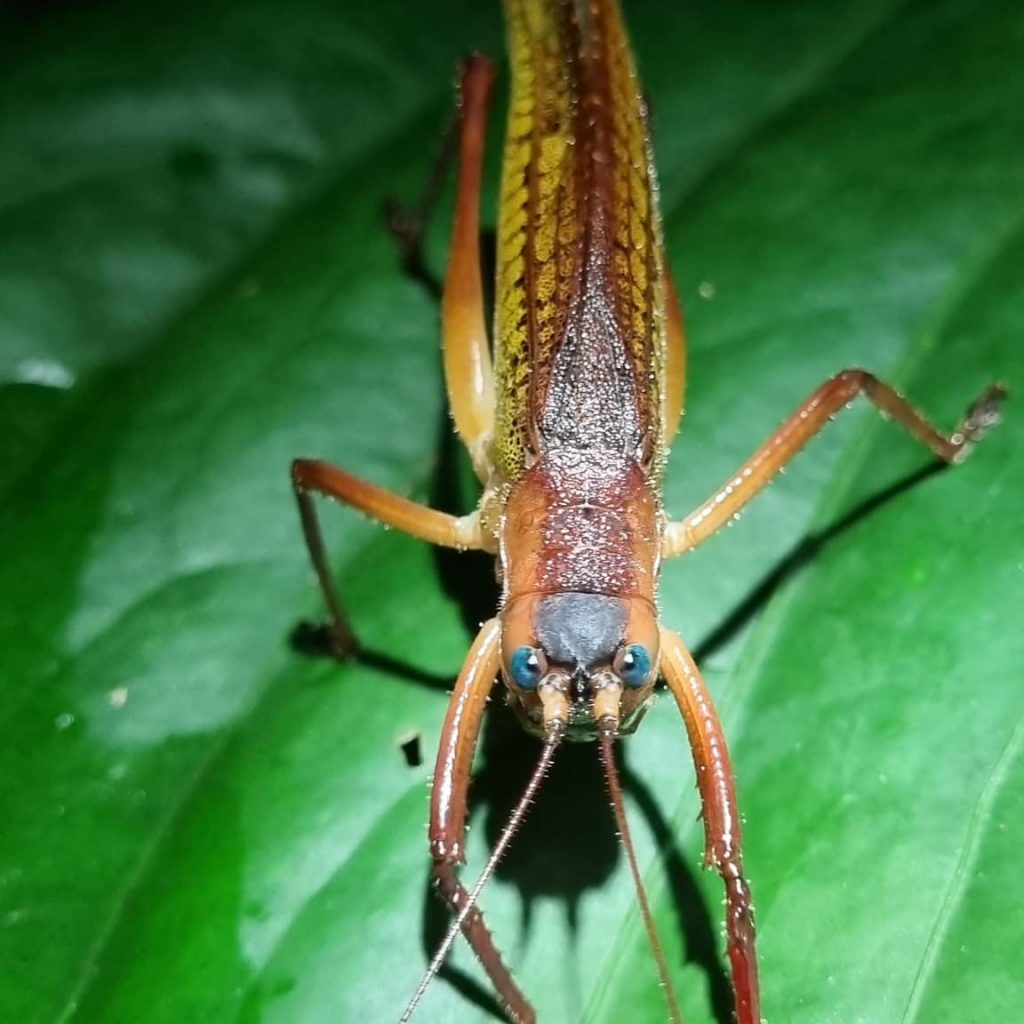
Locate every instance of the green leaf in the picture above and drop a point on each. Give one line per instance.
(199, 823)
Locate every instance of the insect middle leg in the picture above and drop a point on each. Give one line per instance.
(448, 809)
(311, 477)
(754, 475)
(722, 832)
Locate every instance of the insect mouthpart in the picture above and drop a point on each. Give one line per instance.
(586, 704)
(580, 688)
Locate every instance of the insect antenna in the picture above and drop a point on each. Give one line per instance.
(511, 827)
(611, 774)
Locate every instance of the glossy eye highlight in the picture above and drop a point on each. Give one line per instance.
(633, 665)
(526, 667)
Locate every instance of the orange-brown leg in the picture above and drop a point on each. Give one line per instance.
(310, 476)
(448, 808)
(751, 478)
(467, 354)
(722, 834)
(675, 359)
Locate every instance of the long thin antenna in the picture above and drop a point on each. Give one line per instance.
(510, 829)
(611, 775)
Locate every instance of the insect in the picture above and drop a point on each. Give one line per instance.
(567, 420)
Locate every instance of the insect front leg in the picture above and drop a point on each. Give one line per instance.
(754, 475)
(722, 832)
(310, 477)
(448, 809)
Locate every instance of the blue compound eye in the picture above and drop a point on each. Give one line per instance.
(633, 665)
(526, 667)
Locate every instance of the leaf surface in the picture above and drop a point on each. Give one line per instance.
(195, 286)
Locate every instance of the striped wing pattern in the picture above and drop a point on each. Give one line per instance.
(579, 317)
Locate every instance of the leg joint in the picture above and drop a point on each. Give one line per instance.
(299, 474)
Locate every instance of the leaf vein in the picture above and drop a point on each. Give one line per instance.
(960, 876)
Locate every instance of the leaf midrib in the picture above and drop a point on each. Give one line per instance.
(959, 878)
